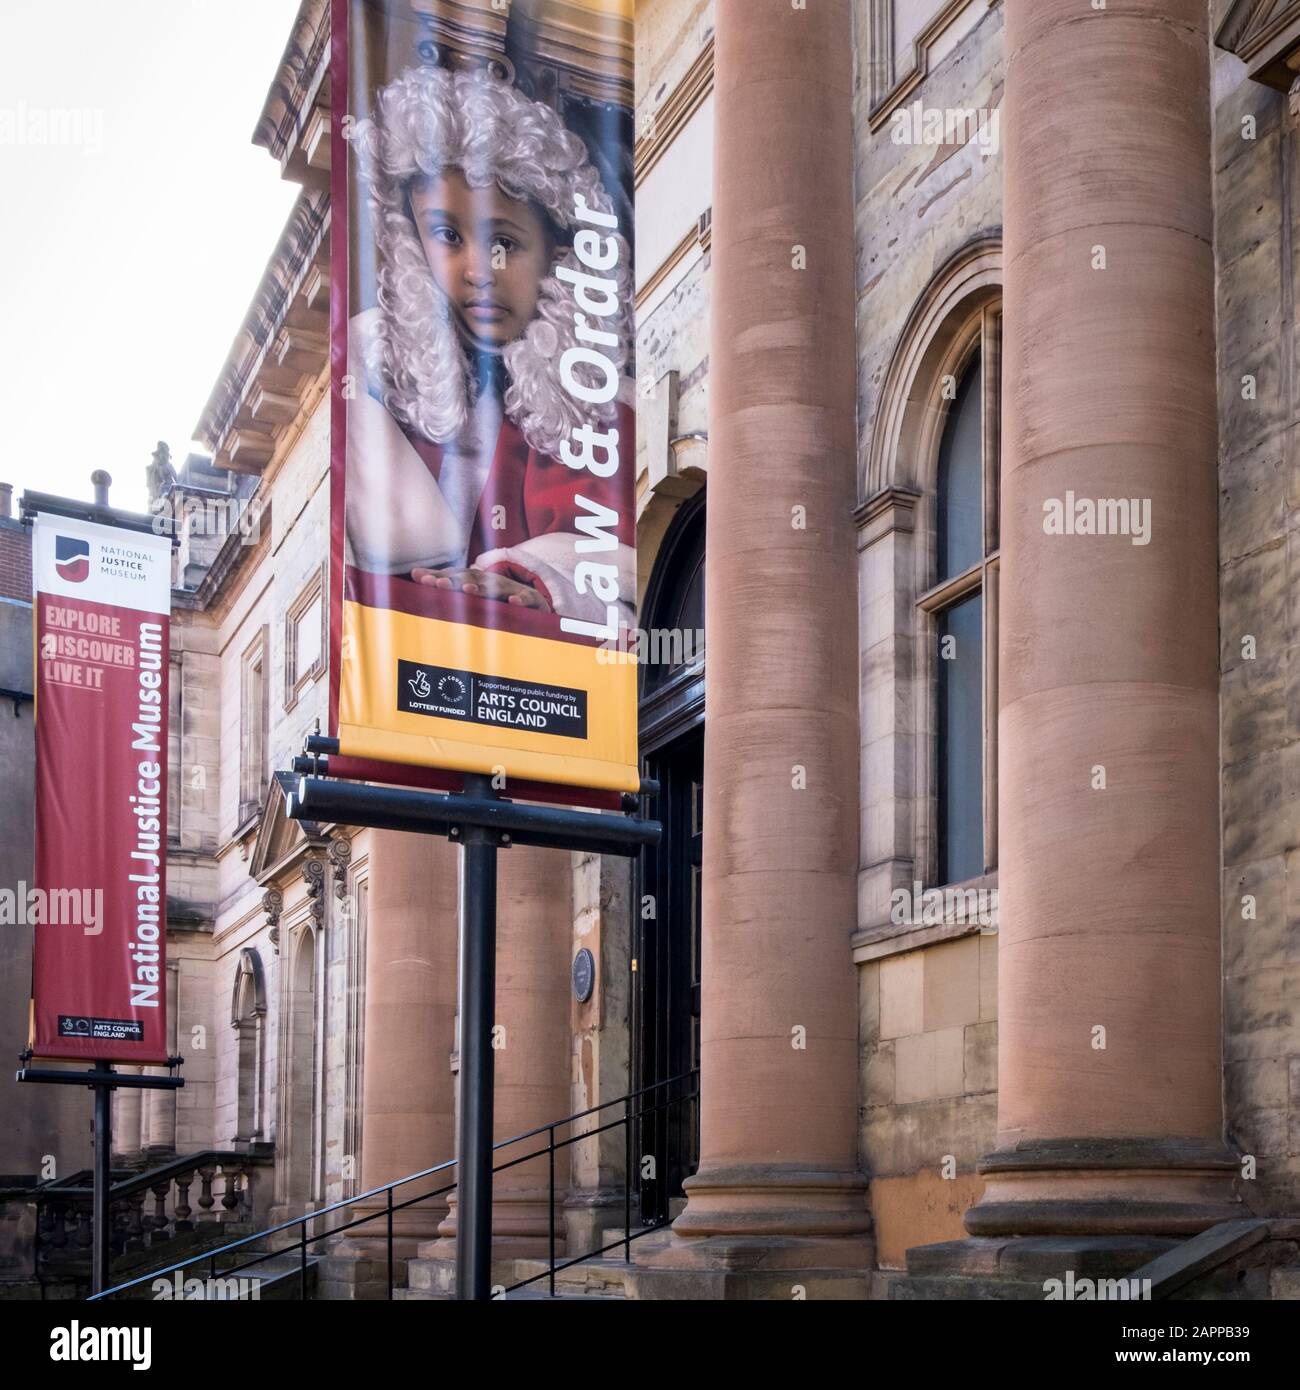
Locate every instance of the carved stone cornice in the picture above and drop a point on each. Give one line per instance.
(234, 556)
(1265, 35)
(280, 350)
(298, 99)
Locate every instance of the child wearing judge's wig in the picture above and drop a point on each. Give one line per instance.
(458, 427)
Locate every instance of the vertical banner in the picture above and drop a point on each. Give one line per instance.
(102, 606)
(483, 432)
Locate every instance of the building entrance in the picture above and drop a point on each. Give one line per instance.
(666, 935)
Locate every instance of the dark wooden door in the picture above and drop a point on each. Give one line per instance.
(667, 984)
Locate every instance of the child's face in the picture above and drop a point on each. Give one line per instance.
(488, 253)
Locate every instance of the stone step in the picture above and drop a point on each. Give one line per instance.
(436, 1278)
(660, 1237)
(278, 1278)
(602, 1276)
(593, 1278)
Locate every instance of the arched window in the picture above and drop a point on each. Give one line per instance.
(959, 607)
(247, 1018)
(673, 644)
(928, 580)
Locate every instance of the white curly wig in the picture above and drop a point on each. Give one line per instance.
(426, 121)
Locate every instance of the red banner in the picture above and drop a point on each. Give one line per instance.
(99, 905)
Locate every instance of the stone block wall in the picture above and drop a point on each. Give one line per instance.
(928, 993)
(928, 1038)
(1256, 177)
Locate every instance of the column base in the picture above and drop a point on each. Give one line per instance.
(355, 1269)
(410, 1224)
(768, 1200)
(753, 1228)
(521, 1228)
(589, 1213)
(1106, 1187)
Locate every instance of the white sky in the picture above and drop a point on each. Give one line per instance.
(125, 270)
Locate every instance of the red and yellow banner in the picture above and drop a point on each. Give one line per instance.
(99, 905)
(483, 433)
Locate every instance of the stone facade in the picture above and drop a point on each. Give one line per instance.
(1255, 170)
(288, 986)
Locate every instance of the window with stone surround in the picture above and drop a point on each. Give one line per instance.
(928, 586)
(958, 612)
(248, 1019)
(253, 729)
(305, 639)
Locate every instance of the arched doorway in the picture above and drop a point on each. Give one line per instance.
(666, 937)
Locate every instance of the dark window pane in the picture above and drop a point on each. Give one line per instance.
(690, 612)
(961, 543)
(961, 740)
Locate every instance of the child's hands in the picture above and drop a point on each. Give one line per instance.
(483, 584)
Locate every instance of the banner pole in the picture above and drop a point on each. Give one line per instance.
(478, 925)
(99, 1273)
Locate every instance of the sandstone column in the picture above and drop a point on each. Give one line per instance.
(532, 1062)
(407, 1092)
(158, 1123)
(128, 1110)
(1109, 1113)
(778, 1166)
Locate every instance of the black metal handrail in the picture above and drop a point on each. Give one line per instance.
(301, 1223)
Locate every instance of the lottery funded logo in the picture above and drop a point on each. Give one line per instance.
(443, 693)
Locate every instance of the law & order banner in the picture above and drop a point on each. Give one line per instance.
(483, 434)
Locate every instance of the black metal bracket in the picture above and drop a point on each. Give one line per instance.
(481, 822)
(19, 697)
(329, 800)
(114, 1081)
(103, 1081)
